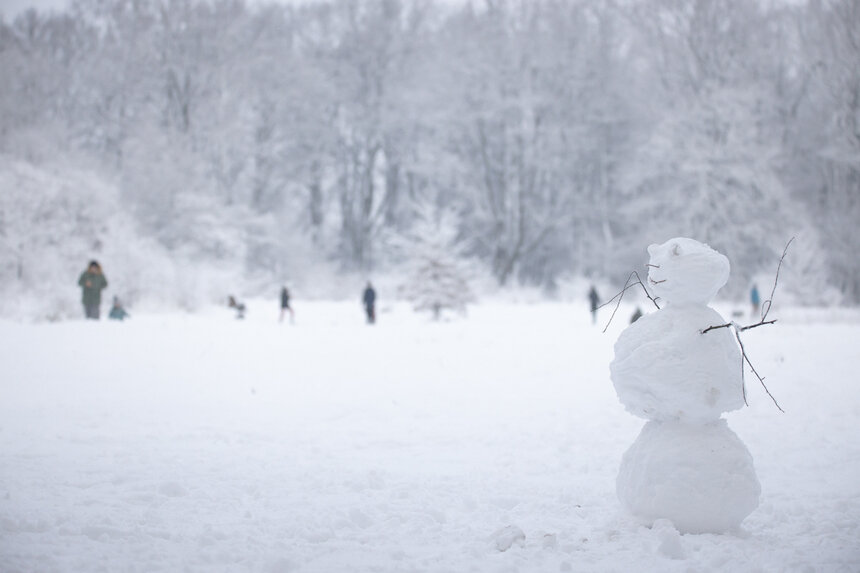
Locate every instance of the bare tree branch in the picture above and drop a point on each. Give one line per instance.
(710, 328)
(736, 328)
(620, 296)
(765, 306)
(756, 325)
(742, 328)
(745, 358)
(763, 321)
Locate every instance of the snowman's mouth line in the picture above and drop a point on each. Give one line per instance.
(652, 281)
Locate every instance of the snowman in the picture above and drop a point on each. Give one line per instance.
(686, 466)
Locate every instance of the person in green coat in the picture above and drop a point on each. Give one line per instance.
(92, 283)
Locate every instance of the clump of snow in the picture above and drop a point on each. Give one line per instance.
(699, 476)
(549, 541)
(671, 544)
(683, 271)
(507, 537)
(666, 369)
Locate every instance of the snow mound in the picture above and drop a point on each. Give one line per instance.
(671, 544)
(507, 537)
(700, 477)
(685, 271)
(665, 369)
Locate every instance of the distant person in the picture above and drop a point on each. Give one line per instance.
(594, 298)
(636, 315)
(117, 312)
(285, 305)
(369, 300)
(92, 283)
(755, 299)
(240, 307)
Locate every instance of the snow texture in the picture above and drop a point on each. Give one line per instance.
(507, 537)
(684, 270)
(698, 476)
(197, 442)
(666, 369)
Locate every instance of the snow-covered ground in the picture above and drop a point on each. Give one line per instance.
(203, 443)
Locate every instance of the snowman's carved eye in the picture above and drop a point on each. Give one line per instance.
(676, 250)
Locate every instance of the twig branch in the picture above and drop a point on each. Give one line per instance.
(742, 328)
(620, 296)
(756, 325)
(745, 358)
(763, 321)
(765, 306)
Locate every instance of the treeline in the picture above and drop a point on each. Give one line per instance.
(563, 136)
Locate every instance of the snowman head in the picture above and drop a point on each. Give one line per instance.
(685, 271)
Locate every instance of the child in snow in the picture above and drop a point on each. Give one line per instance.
(117, 312)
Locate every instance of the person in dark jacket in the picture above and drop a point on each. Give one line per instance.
(117, 312)
(369, 300)
(594, 298)
(285, 305)
(239, 306)
(92, 283)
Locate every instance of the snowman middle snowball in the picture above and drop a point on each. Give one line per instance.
(664, 368)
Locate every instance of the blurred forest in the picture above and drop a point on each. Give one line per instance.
(560, 138)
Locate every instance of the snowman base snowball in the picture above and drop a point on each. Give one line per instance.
(699, 477)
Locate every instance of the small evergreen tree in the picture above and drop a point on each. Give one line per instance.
(438, 279)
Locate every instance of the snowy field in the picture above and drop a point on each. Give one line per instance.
(203, 443)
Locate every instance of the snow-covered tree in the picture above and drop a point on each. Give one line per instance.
(565, 133)
(828, 142)
(438, 277)
(710, 167)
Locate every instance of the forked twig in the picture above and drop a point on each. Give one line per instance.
(620, 296)
(738, 329)
(745, 358)
(765, 306)
(742, 328)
